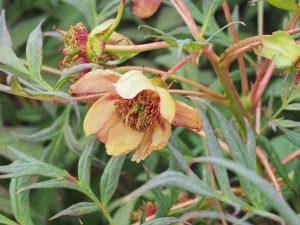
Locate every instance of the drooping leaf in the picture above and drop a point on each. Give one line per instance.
(79, 209)
(110, 178)
(293, 107)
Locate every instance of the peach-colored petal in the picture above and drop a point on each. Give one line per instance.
(166, 105)
(96, 81)
(132, 83)
(99, 114)
(187, 116)
(122, 139)
(161, 135)
(153, 140)
(145, 8)
(142, 152)
(103, 132)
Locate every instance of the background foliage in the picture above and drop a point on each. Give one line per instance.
(71, 174)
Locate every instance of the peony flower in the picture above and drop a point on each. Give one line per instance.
(134, 113)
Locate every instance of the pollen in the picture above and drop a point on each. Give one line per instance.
(76, 38)
(140, 113)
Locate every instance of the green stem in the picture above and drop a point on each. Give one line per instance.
(114, 26)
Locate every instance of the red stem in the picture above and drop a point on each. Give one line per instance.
(176, 67)
(241, 62)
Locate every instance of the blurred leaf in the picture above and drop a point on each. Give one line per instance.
(287, 123)
(79, 209)
(292, 136)
(42, 135)
(110, 178)
(267, 189)
(4, 220)
(7, 56)
(20, 201)
(293, 107)
(163, 221)
(87, 8)
(289, 5)
(122, 215)
(85, 163)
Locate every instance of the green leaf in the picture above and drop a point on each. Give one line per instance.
(267, 189)
(87, 8)
(110, 178)
(292, 136)
(171, 178)
(73, 70)
(7, 55)
(281, 48)
(85, 163)
(287, 123)
(79, 209)
(34, 55)
(42, 135)
(53, 183)
(289, 5)
(240, 153)
(216, 151)
(163, 221)
(20, 201)
(293, 107)
(4, 220)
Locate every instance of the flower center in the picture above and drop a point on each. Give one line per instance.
(76, 38)
(141, 112)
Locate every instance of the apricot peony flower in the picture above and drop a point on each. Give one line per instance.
(134, 114)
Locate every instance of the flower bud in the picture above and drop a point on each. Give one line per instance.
(145, 8)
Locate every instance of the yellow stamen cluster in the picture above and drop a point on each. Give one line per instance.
(141, 112)
(71, 39)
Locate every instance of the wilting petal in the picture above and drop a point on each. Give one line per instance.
(121, 139)
(102, 28)
(118, 39)
(145, 8)
(99, 114)
(132, 83)
(153, 140)
(103, 132)
(166, 105)
(187, 116)
(96, 81)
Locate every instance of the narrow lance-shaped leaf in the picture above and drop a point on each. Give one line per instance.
(20, 201)
(267, 189)
(292, 136)
(7, 55)
(79, 209)
(110, 178)
(6, 221)
(85, 163)
(163, 221)
(34, 55)
(215, 150)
